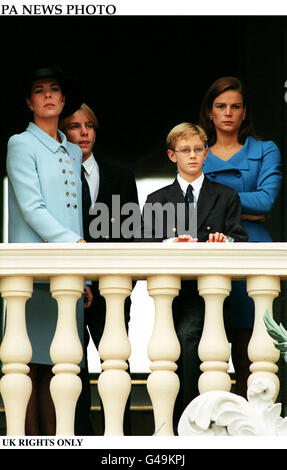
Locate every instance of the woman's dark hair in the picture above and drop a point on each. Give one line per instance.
(220, 86)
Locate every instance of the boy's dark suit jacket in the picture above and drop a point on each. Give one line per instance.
(113, 180)
(218, 210)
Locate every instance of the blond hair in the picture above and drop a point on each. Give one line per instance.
(85, 109)
(185, 129)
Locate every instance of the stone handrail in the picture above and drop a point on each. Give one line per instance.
(67, 266)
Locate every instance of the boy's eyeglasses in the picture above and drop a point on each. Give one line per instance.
(198, 151)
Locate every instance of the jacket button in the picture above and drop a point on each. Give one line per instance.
(208, 228)
(174, 229)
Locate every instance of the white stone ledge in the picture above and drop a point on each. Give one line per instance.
(139, 260)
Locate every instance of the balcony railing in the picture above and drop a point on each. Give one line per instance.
(67, 266)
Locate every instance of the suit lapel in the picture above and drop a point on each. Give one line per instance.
(175, 196)
(105, 185)
(174, 193)
(206, 200)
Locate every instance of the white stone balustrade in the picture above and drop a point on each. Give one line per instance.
(16, 353)
(66, 351)
(261, 351)
(116, 266)
(114, 383)
(163, 351)
(214, 349)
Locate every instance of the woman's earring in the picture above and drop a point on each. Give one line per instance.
(210, 117)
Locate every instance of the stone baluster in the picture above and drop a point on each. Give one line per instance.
(66, 351)
(114, 384)
(16, 353)
(214, 349)
(163, 351)
(261, 350)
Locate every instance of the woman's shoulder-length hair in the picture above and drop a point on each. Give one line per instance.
(220, 86)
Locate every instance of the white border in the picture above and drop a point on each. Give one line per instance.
(168, 7)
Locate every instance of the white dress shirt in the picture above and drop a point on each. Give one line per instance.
(92, 175)
(196, 185)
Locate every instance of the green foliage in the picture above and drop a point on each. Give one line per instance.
(277, 332)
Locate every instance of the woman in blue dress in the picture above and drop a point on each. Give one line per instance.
(44, 206)
(240, 160)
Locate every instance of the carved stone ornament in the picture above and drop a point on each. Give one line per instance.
(219, 413)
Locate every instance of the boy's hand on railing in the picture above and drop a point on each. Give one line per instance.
(216, 238)
(184, 238)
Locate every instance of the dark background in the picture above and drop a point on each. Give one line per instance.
(146, 74)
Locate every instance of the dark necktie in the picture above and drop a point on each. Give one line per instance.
(189, 198)
(189, 210)
(86, 200)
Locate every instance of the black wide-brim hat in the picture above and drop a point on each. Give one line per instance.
(72, 88)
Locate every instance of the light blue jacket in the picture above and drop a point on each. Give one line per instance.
(45, 205)
(255, 173)
(45, 198)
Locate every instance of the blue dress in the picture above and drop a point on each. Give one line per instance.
(255, 173)
(45, 205)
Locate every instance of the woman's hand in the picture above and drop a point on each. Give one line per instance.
(88, 297)
(255, 218)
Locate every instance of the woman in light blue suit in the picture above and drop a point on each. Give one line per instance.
(44, 206)
(240, 160)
